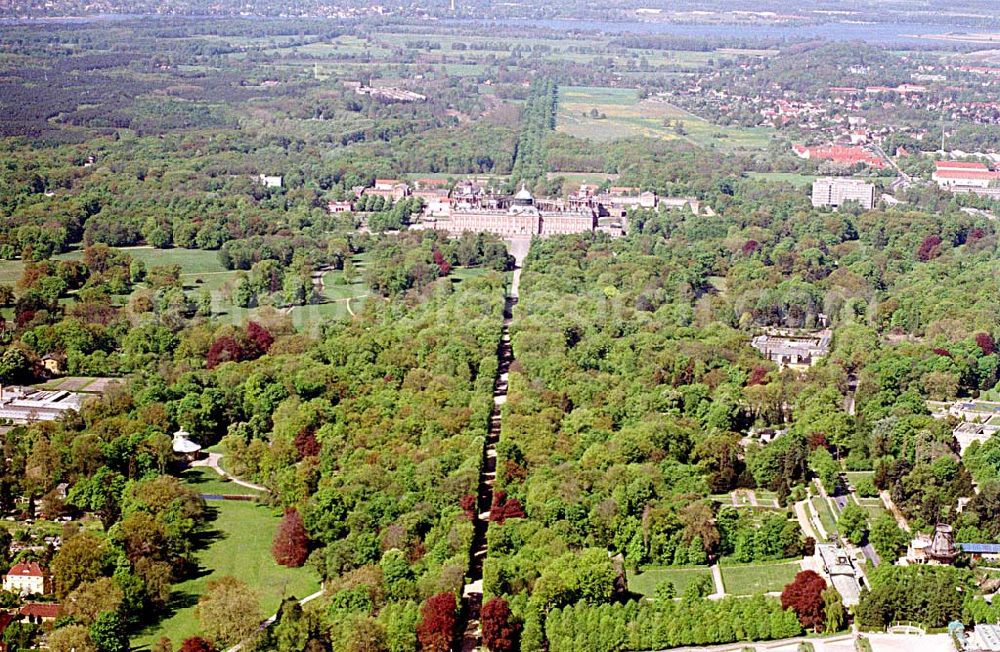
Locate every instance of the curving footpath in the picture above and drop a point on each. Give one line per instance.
(212, 462)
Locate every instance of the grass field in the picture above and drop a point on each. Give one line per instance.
(239, 544)
(192, 261)
(826, 516)
(10, 271)
(758, 578)
(874, 506)
(645, 583)
(626, 116)
(206, 481)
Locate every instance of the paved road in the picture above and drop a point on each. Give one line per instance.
(869, 552)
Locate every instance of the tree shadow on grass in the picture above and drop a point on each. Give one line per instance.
(179, 598)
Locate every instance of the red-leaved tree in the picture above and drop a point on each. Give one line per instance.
(196, 644)
(986, 343)
(306, 443)
(254, 342)
(504, 508)
(259, 339)
(443, 265)
(291, 542)
(804, 595)
(436, 629)
(224, 349)
(929, 248)
(468, 505)
(758, 376)
(499, 631)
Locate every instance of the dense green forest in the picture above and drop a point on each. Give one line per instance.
(170, 230)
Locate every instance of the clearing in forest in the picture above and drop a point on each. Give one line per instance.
(606, 114)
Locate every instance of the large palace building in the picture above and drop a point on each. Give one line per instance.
(468, 208)
(517, 215)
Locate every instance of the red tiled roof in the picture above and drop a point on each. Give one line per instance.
(967, 174)
(27, 569)
(960, 165)
(841, 154)
(41, 610)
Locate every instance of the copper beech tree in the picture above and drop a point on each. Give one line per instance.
(804, 596)
(291, 542)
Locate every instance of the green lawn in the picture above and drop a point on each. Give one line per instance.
(645, 582)
(873, 506)
(206, 481)
(192, 261)
(758, 578)
(826, 516)
(10, 271)
(239, 544)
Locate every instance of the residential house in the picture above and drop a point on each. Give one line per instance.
(27, 578)
(38, 613)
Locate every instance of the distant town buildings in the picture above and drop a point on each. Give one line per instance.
(27, 578)
(847, 156)
(392, 189)
(389, 93)
(794, 349)
(834, 191)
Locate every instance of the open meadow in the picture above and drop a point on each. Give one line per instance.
(607, 114)
(239, 545)
(646, 581)
(753, 579)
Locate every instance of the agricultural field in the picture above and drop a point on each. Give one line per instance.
(646, 581)
(758, 578)
(239, 544)
(621, 114)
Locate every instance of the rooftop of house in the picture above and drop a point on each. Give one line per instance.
(967, 174)
(27, 569)
(41, 610)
